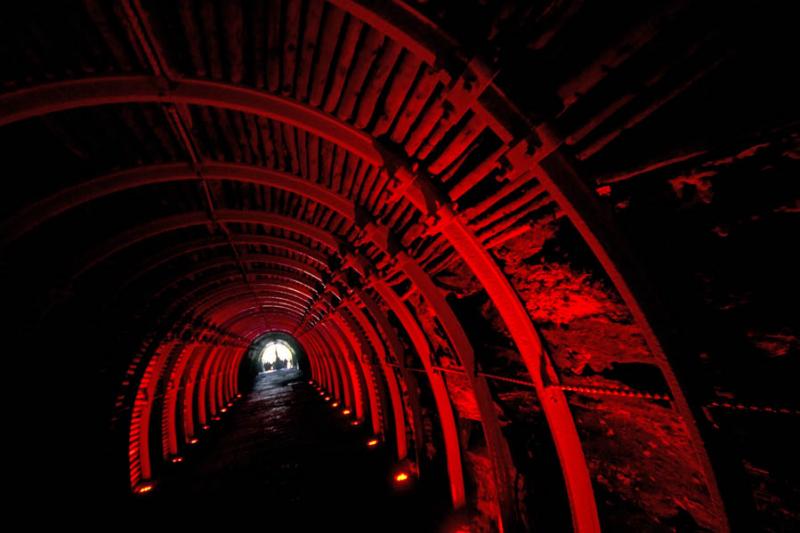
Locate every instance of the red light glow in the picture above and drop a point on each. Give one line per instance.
(401, 477)
(335, 404)
(194, 440)
(177, 459)
(355, 423)
(346, 411)
(206, 427)
(327, 398)
(223, 410)
(372, 443)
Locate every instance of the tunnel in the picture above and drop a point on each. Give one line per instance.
(531, 265)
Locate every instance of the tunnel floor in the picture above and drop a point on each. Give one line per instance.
(283, 450)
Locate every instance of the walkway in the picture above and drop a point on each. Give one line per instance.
(283, 450)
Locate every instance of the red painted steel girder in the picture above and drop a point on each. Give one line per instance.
(70, 197)
(361, 352)
(441, 398)
(288, 281)
(29, 102)
(376, 344)
(73, 94)
(278, 319)
(277, 288)
(211, 304)
(395, 348)
(499, 452)
(178, 172)
(291, 282)
(176, 222)
(320, 261)
(215, 305)
(271, 290)
(347, 352)
(302, 274)
(329, 342)
(220, 282)
(222, 312)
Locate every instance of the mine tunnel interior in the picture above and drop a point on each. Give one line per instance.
(535, 262)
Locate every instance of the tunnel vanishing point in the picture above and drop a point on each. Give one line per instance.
(543, 256)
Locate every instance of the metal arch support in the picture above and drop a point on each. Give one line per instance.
(377, 395)
(285, 262)
(324, 371)
(338, 358)
(206, 244)
(499, 452)
(229, 323)
(175, 388)
(224, 277)
(216, 304)
(553, 401)
(188, 410)
(297, 283)
(68, 95)
(216, 301)
(210, 307)
(73, 94)
(199, 218)
(225, 292)
(68, 198)
(603, 238)
(446, 417)
(334, 373)
(376, 344)
(284, 313)
(395, 347)
(245, 173)
(350, 347)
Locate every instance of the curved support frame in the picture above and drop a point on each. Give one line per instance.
(398, 409)
(445, 410)
(80, 93)
(361, 350)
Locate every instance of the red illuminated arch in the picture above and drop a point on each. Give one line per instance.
(564, 185)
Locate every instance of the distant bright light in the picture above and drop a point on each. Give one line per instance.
(402, 476)
(143, 489)
(275, 351)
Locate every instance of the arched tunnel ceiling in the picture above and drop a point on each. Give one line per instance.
(544, 232)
